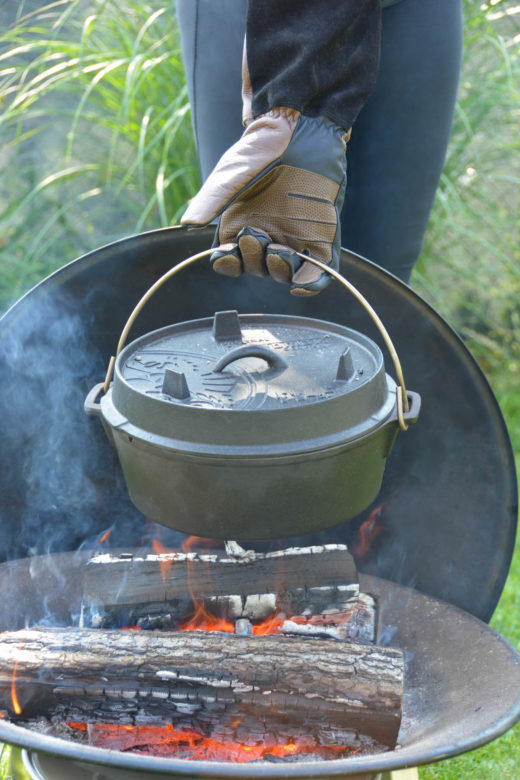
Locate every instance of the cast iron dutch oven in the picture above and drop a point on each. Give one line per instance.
(252, 426)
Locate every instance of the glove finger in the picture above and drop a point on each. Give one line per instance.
(252, 244)
(313, 288)
(309, 280)
(226, 260)
(282, 263)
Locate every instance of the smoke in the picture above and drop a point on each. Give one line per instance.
(61, 485)
(56, 466)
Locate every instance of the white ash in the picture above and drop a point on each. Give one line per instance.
(243, 627)
(235, 553)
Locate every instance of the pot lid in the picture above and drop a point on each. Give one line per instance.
(249, 362)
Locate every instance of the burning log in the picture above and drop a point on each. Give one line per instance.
(355, 624)
(244, 688)
(122, 589)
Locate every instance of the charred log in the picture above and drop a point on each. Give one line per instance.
(123, 589)
(357, 623)
(224, 685)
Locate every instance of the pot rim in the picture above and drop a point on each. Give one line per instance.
(325, 445)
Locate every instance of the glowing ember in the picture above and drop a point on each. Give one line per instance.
(77, 726)
(334, 619)
(166, 740)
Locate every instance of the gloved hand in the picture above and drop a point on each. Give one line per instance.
(279, 188)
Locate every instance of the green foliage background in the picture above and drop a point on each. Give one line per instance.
(96, 143)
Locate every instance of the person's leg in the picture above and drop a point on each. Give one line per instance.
(212, 36)
(398, 145)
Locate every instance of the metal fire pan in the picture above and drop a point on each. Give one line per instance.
(462, 683)
(448, 505)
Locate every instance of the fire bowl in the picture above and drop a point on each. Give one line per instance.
(462, 683)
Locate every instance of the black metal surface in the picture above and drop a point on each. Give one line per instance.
(448, 501)
(462, 681)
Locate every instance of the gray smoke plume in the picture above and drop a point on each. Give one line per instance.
(55, 462)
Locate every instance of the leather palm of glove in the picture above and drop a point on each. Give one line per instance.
(280, 188)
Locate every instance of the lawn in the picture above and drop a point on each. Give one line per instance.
(95, 143)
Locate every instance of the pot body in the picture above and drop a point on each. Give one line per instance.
(254, 498)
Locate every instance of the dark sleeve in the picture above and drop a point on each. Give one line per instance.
(318, 56)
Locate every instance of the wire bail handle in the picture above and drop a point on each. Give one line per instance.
(402, 397)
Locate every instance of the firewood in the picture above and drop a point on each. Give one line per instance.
(355, 624)
(221, 684)
(121, 589)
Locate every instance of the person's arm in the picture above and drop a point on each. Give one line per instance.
(309, 65)
(320, 57)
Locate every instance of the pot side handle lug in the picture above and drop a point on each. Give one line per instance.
(414, 407)
(393, 423)
(91, 405)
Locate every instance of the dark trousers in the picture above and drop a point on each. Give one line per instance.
(399, 141)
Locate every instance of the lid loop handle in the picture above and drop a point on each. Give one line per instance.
(402, 396)
(251, 350)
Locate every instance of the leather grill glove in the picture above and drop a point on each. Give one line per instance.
(279, 188)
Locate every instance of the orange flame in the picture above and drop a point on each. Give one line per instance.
(105, 536)
(199, 542)
(369, 530)
(270, 625)
(14, 697)
(165, 557)
(201, 620)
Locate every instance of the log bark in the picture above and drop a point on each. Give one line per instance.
(223, 685)
(122, 589)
